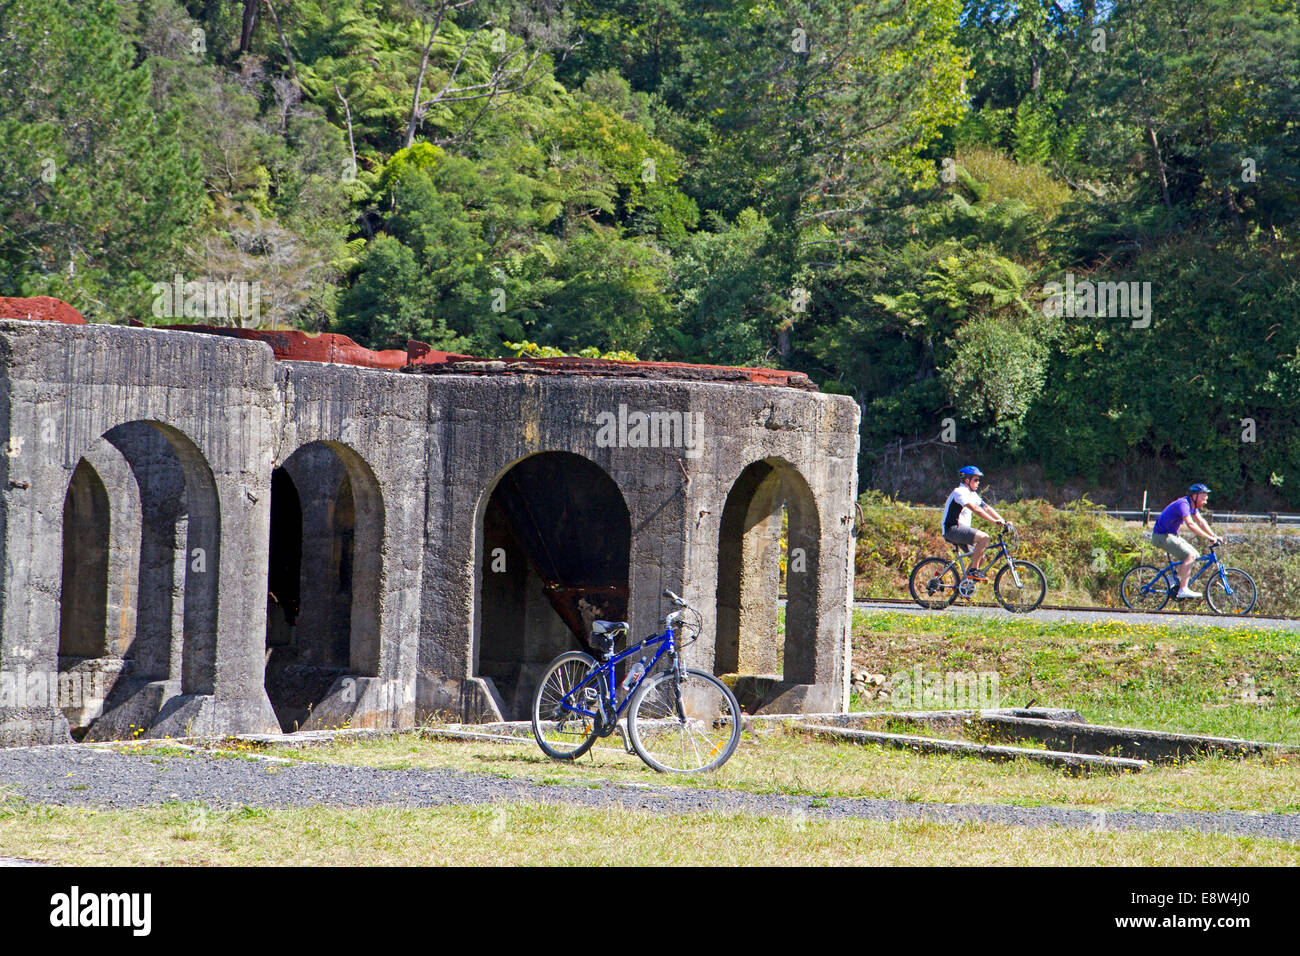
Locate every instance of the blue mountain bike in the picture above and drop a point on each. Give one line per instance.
(1019, 585)
(1228, 590)
(678, 720)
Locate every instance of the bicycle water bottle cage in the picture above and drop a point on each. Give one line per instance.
(604, 634)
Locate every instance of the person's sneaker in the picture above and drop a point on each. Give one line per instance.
(977, 575)
(1187, 593)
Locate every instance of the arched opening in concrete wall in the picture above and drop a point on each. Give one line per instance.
(284, 575)
(766, 495)
(86, 665)
(179, 557)
(141, 558)
(84, 595)
(324, 579)
(554, 552)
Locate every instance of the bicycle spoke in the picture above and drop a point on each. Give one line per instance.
(560, 729)
(933, 583)
(1145, 588)
(1233, 593)
(691, 738)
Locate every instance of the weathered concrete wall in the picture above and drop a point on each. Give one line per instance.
(815, 437)
(481, 427)
(214, 401)
(376, 424)
(184, 431)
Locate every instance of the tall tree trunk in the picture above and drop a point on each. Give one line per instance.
(414, 121)
(347, 110)
(284, 43)
(250, 21)
(1160, 165)
(416, 115)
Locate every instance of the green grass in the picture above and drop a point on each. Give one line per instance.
(1120, 672)
(1209, 680)
(539, 834)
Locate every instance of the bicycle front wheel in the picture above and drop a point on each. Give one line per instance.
(934, 583)
(561, 731)
(684, 725)
(1233, 593)
(1145, 588)
(1025, 597)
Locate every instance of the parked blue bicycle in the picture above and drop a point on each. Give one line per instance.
(678, 720)
(1227, 591)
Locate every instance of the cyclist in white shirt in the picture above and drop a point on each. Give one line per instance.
(957, 510)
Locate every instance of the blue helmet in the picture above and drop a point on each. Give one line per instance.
(970, 471)
(1198, 487)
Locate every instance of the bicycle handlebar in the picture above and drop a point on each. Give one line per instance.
(676, 599)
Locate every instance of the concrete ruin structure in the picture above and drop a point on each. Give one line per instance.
(263, 532)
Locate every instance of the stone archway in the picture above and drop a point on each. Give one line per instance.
(324, 585)
(142, 552)
(769, 501)
(83, 612)
(554, 554)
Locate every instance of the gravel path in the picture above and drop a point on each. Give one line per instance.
(1171, 619)
(85, 776)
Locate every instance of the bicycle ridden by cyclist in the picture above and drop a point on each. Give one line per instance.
(1164, 534)
(957, 510)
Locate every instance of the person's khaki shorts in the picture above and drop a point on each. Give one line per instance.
(1176, 547)
(963, 536)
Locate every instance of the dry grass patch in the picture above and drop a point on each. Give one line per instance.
(776, 762)
(539, 834)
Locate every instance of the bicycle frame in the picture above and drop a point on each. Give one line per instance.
(605, 684)
(1000, 553)
(1206, 561)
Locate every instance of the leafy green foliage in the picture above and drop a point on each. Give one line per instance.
(95, 193)
(873, 193)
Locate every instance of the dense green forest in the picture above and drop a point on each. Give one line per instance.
(890, 196)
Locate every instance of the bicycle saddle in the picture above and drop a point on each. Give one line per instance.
(608, 627)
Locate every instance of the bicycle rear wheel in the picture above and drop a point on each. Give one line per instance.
(1145, 588)
(1242, 598)
(1028, 595)
(934, 583)
(683, 728)
(561, 732)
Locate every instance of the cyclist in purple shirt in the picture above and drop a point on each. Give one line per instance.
(1164, 534)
